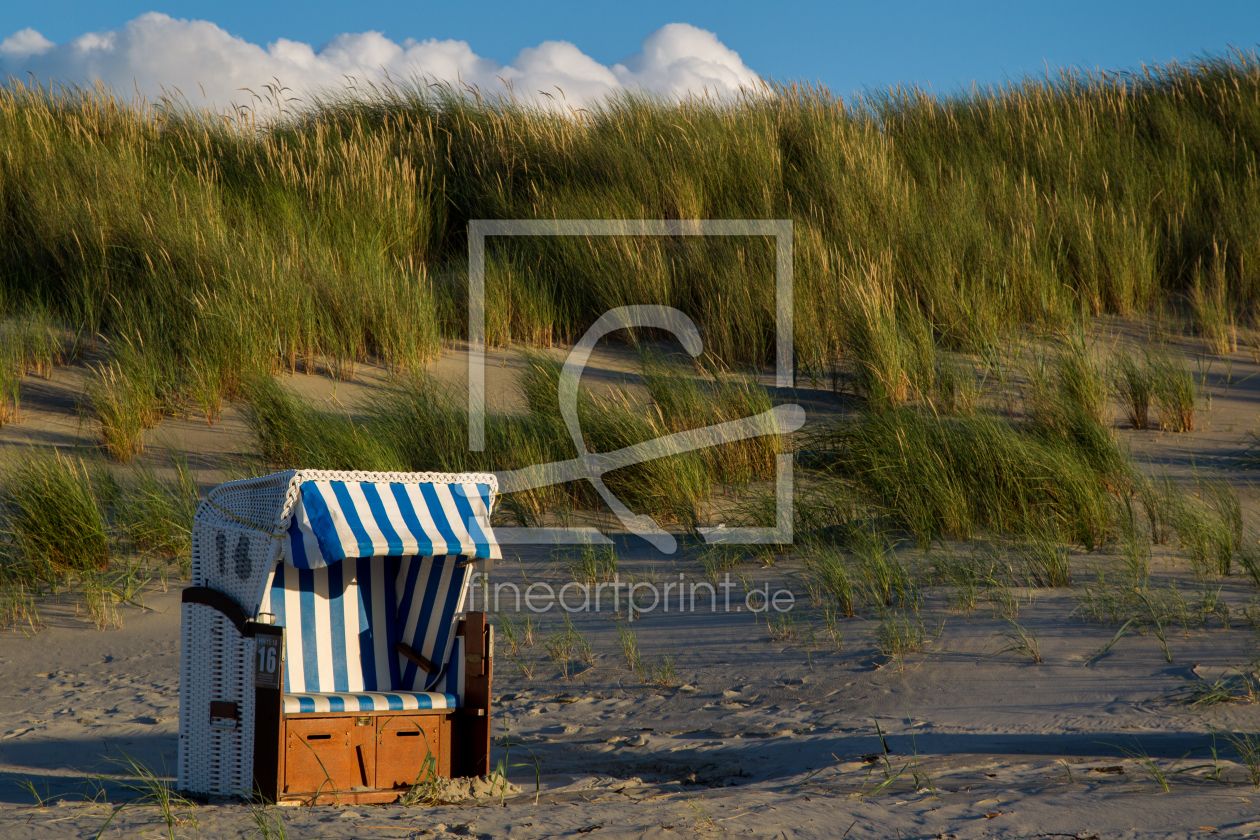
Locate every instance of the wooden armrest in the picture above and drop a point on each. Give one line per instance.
(414, 655)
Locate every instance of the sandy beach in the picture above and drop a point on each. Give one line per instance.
(737, 722)
(754, 738)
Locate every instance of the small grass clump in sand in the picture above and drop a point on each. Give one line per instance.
(940, 476)
(63, 523)
(1155, 607)
(782, 627)
(123, 403)
(32, 342)
(1206, 519)
(1241, 686)
(1072, 383)
(10, 385)
(1212, 310)
(157, 515)
(1022, 641)
(564, 643)
(517, 635)
(629, 642)
(1209, 528)
(1046, 562)
(898, 635)
(885, 582)
(1135, 384)
(1247, 745)
(153, 789)
(661, 672)
(590, 564)
(51, 517)
(1175, 394)
(967, 576)
(827, 567)
(17, 605)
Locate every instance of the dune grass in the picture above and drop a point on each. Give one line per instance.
(1021, 641)
(157, 515)
(937, 476)
(1135, 384)
(1046, 563)
(219, 249)
(291, 432)
(828, 569)
(17, 605)
(203, 257)
(52, 521)
(588, 563)
(420, 425)
(73, 524)
(1176, 394)
(31, 342)
(898, 635)
(10, 385)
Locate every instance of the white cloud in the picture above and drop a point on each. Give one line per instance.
(155, 52)
(23, 44)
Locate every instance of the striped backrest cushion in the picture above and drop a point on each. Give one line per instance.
(430, 592)
(333, 520)
(339, 625)
(452, 680)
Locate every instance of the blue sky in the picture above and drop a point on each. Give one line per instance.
(847, 46)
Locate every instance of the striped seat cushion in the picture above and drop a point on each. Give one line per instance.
(430, 594)
(305, 703)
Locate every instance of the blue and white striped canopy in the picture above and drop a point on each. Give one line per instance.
(333, 520)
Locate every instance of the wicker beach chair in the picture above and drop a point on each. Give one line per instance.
(327, 656)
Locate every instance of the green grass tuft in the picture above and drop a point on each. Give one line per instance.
(50, 515)
(938, 476)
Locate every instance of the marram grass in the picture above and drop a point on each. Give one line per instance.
(938, 477)
(419, 424)
(220, 250)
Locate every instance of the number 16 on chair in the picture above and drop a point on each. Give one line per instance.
(267, 661)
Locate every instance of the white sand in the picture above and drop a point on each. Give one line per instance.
(767, 738)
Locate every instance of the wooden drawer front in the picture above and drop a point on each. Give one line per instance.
(403, 743)
(326, 754)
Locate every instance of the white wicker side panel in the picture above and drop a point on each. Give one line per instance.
(192, 693)
(234, 548)
(215, 665)
(236, 539)
(236, 561)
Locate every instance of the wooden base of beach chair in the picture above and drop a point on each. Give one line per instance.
(378, 754)
(375, 757)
